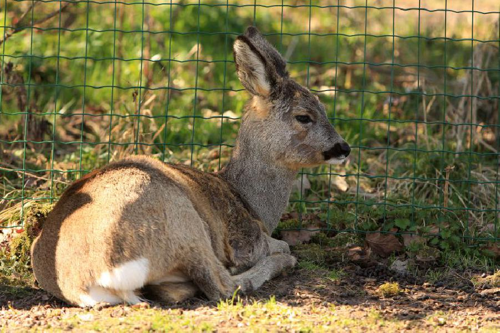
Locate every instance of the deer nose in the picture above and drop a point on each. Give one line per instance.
(339, 149)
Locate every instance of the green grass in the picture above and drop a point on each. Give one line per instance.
(336, 274)
(402, 187)
(309, 265)
(491, 280)
(250, 316)
(434, 275)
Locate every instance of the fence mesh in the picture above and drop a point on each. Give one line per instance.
(413, 86)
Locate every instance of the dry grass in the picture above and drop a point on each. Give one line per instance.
(385, 175)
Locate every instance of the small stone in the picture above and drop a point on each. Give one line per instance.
(101, 305)
(141, 305)
(86, 316)
(118, 312)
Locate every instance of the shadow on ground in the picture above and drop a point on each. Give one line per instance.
(358, 287)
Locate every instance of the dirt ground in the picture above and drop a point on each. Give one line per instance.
(304, 300)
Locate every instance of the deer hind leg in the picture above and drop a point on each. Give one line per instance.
(171, 292)
(212, 278)
(264, 270)
(201, 271)
(277, 246)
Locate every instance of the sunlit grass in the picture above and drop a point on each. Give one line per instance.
(175, 96)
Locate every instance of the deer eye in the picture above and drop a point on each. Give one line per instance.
(303, 119)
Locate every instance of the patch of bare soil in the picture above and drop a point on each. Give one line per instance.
(359, 289)
(452, 303)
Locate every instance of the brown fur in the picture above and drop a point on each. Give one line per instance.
(259, 108)
(191, 230)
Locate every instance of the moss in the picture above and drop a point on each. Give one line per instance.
(313, 253)
(291, 224)
(389, 289)
(15, 258)
(35, 215)
(494, 280)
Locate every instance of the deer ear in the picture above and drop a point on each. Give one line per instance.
(272, 55)
(254, 72)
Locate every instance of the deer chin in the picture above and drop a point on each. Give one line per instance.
(336, 160)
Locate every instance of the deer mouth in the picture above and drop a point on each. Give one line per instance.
(336, 160)
(337, 154)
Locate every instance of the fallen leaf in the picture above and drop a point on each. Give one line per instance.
(409, 239)
(341, 183)
(400, 266)
(434, 230)
(296, 237)
(383, 244)
(290, 216)
(360, 256)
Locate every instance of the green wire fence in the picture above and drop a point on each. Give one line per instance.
(413, 86)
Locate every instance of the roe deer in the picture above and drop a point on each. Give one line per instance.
(140, 224)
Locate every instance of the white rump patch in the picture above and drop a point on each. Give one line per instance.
(131, 275)
(99, 295)
(335, 160)
(118, 285)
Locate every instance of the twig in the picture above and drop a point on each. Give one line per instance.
(448, 169)
(27, 11)
(427, 109)
(40, 21)
(28, 173)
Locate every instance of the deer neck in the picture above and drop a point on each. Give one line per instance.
(264, 185)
